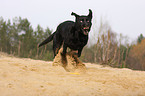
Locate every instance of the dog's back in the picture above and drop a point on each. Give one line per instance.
(64, 29)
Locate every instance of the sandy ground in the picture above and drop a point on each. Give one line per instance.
(27, 77)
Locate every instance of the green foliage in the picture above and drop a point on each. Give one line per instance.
(140, 38)
(20, 39)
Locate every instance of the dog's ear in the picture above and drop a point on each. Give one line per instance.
(90, 13)
(76, 15)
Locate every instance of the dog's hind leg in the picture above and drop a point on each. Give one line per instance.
(63, 54)
(57, 42)
(64, 49)
(56, 47)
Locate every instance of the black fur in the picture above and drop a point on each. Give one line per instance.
(71, 34)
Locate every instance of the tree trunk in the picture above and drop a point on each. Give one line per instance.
(19, 48)
(37, 55)
(108, 47)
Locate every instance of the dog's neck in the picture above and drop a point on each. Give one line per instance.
(78, 32)
(77, 27)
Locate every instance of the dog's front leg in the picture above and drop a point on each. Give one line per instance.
(79, 52)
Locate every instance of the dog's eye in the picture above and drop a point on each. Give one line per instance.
(81, 20)
(87, 20)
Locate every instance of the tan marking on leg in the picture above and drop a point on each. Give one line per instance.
(56, 51)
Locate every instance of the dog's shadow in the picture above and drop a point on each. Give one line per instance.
(71, 63)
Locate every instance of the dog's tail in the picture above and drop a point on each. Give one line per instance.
(47, 40)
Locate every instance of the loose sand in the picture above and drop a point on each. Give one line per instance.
(27, 77)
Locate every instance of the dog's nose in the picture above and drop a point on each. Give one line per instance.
(85, 25)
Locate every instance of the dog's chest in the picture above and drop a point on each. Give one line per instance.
(77, 43)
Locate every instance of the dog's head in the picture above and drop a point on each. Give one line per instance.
(83, 22)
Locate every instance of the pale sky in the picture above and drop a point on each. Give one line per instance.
(124, 16)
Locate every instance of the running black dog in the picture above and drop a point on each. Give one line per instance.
(71, 34)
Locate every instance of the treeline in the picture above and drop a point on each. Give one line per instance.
(136, 58)
(115, 50)
(20, 39)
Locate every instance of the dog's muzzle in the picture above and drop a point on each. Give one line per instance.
(85, 30)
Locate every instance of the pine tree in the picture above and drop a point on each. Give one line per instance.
(140, 38)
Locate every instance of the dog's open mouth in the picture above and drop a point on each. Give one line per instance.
(85, 30)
